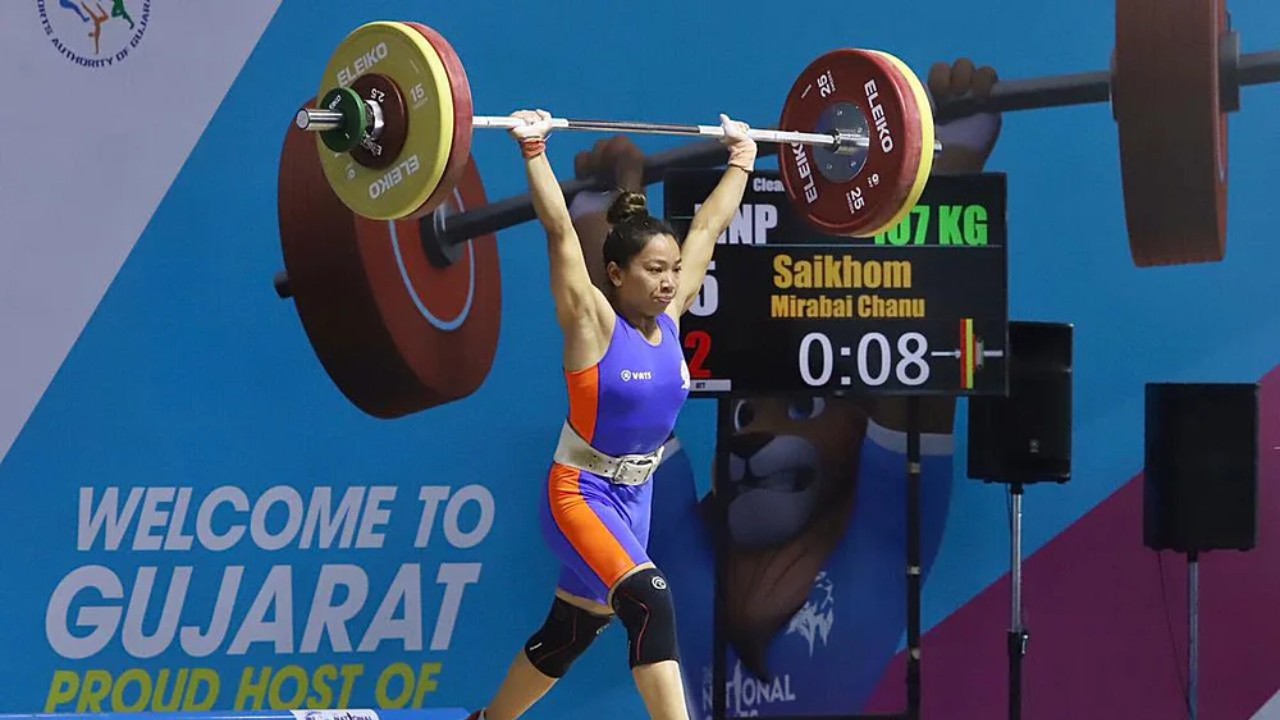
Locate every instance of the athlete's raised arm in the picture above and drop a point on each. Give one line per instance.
(714, 215)
(580, 307)
(571, 283)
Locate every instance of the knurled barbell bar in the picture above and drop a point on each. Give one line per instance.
(370, 124)
(394, 120)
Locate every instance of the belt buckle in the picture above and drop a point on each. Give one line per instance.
(626, 463)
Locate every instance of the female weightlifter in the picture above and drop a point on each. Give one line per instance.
(627, 381)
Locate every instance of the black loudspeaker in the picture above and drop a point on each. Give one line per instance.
(1025, 436)
(1200, 490)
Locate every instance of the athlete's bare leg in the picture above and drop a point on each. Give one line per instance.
(524, 684)
(660, 683)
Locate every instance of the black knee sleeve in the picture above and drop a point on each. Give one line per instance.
(643, 604)
(566, 634)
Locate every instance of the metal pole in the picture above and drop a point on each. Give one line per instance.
(914, 468)
(1015, 557)
(1017, 640)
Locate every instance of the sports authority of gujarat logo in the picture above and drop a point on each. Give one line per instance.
(94, 33)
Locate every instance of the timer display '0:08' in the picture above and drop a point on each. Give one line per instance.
(910, 365)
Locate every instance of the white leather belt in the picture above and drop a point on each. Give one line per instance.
(623, 470)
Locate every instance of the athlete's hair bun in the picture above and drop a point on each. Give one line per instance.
(632, 229)
(628, 207)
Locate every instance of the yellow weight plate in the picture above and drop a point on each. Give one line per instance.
(927, 139)
(407, 58)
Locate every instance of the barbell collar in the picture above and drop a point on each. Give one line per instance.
(317, 120)
(850, 143)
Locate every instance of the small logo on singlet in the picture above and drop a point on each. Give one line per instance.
(629, 375)
(659, 583)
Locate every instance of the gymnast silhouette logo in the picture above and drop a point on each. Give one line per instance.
(95, 33)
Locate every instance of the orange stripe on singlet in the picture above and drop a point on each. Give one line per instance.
(583, 528)
(584, 400)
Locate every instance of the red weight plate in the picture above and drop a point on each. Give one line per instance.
(1173, 131)
(395, 334)
(460, 154)
(852, 195)
(444, 322)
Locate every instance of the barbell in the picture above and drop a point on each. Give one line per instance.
(382, 171)
(391, 131)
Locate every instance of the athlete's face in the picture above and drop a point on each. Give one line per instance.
(648, 283)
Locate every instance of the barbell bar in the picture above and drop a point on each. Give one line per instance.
(320, 120)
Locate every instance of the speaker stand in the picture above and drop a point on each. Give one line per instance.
(914, 468)
(1017, 638)
(1193, 630)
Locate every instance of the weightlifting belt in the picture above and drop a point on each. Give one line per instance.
(576, 453)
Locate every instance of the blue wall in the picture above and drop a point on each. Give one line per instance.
(190, 373)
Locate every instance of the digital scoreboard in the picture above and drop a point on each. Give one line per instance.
(921, 309)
